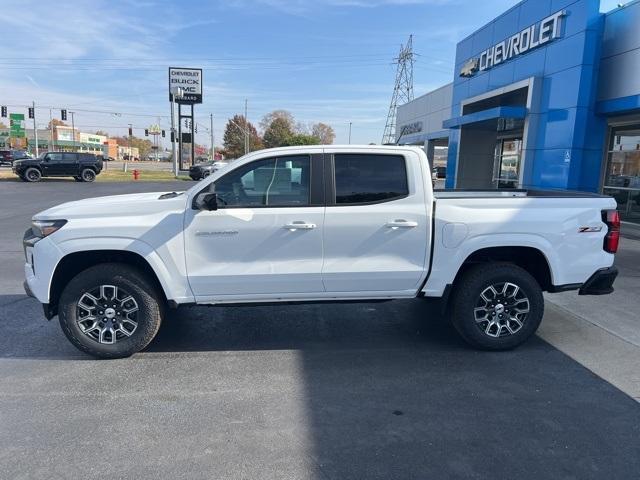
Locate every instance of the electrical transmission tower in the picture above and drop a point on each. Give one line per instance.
(403, 90)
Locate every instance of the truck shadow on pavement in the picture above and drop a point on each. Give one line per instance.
(377, 390)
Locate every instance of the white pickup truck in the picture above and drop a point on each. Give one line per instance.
(317, 224)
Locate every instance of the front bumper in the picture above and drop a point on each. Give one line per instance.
(600, 283)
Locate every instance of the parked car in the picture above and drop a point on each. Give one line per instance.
(7, 157)
(203, 170)
(317, 224)
(83, 167)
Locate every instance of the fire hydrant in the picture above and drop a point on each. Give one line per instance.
(136, 174)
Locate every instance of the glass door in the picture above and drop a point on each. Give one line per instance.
(622, 179)
(506, 168)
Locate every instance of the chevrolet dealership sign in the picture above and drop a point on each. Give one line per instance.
(190, 80)
(528, 39)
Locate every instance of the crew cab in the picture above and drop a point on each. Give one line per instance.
(83, 167)
(317, 224)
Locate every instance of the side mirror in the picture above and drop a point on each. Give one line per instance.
(206, 201)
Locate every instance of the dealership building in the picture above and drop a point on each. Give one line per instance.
(547, 95)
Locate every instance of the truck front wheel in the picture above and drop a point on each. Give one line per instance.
(110, 311)
(497, 306)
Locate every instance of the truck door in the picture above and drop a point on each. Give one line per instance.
(69, 165)
(52, 164)
(376, 231)
(266, 236)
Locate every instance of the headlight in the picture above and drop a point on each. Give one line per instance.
(44, 228)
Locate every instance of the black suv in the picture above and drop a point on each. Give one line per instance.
(7, 157)
(82, 166)
(203, 170)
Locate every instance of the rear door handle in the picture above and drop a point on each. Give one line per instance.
(299, 225)
(395, 224)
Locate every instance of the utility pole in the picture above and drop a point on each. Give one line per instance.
(246, 130)
(35, 129)
(350, 133)
(50, 130)
(175, 92)
(213, 151)
(73, 131)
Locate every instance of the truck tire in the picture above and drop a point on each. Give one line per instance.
(110, 310)
(88, 175)
(32, 174)
(496, 306)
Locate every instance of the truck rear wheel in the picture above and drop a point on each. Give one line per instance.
(110, 311)
(497, 306)
(88, 175)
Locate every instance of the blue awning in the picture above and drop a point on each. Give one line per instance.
(483, 115)
(618, 105)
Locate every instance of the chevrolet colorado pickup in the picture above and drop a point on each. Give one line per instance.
(317, 224)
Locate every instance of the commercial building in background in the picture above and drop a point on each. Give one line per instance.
(547, 95)
(27, 142)
(67, 139)
(128, 153)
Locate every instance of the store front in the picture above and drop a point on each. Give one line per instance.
(622, 175)
(547, 95)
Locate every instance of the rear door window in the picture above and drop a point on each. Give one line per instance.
(369, 178)
(70, 157)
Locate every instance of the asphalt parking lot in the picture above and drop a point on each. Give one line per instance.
(381, 390)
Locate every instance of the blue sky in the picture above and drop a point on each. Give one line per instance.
(323, 60)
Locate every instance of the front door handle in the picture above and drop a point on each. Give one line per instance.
(299, 225)
(396, 224)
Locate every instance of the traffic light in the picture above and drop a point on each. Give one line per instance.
(4, 111)
(162, 133)
(130, 132)
(173, 137)
(63, 114)
(196, 128)
(31, 112)
(146, 132)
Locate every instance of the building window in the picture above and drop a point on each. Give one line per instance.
(622, 177)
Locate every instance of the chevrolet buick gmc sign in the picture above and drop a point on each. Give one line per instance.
(528, 39)
(190, 80)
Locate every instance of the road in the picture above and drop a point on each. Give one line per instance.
(381, 390)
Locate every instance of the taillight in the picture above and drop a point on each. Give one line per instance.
(612, 239)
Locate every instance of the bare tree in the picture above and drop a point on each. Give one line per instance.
(323, 132)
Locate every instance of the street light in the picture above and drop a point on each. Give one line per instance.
(176, 93)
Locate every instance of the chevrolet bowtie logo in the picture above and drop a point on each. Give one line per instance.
(470, 68)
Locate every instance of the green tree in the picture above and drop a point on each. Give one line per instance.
(278, 133)
(234, 137)
(323, 132)
(302, 139)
